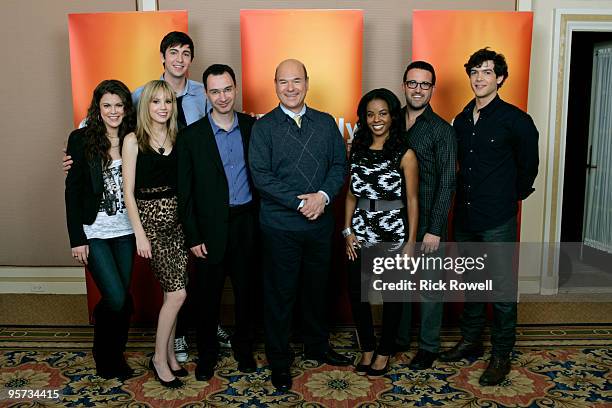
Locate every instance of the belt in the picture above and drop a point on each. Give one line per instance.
(379, 205)
(239, 209)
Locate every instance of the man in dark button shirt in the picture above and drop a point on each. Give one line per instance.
(217, 211)
(433, 141)
(498, 162)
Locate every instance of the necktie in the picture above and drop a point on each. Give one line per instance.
(298, 120)
(182, 121)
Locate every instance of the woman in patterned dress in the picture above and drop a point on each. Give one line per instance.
(150, 181)
(381, 206)
(100, 233)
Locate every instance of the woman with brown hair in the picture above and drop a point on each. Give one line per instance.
(100, 232)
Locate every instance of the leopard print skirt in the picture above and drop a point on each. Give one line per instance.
(169, 257)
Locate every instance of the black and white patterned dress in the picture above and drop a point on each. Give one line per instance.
(374, 176)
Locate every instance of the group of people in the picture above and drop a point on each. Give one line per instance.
(173, 169)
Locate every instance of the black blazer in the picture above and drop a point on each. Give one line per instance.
(84, 188)
(203, 193)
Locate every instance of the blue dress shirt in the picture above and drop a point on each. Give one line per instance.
(231, 151)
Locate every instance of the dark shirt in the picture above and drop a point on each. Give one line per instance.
(434, 143)
(231, 151)
(287, 160)
(498, 162)
(155, 170)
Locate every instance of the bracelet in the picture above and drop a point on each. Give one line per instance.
(346, 232)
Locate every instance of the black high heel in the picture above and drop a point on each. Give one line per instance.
(374, 372)
(181, 372)
(176, 383)
(362, 369)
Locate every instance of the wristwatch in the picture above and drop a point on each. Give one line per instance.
(346, 232)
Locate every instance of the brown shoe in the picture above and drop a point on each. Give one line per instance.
(496, 372)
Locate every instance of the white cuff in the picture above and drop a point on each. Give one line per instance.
(326, 196)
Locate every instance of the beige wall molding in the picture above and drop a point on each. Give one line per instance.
(566, 21)
(38, 280)
(147, 5)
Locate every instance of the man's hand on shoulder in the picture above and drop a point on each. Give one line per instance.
(66, 162)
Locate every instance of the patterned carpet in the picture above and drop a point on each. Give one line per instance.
(553, 366)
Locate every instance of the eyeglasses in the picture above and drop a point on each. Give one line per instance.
(413, 84)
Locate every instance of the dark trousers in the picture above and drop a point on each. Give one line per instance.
(110, 264)
(295, 266)
(473, 318)
(431, 323)
(431, 309)
(362, 312)
(210, 279)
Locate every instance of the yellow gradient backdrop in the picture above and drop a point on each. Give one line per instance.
(328, 42)
(446, 39)
(123, 46)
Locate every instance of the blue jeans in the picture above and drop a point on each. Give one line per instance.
(473, 318)
(110, 264)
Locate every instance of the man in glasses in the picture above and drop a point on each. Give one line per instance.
(433, 141)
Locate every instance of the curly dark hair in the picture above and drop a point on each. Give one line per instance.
(363, 136)
(98, 145)
(500, 66)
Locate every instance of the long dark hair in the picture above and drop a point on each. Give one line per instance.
(98, 145)
(363, 136)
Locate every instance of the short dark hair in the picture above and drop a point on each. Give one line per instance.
(426, 66)
(176, 38)
(485, 54)
(217, 69)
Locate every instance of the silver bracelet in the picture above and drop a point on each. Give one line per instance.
(346, 232)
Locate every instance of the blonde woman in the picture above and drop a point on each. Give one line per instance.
(150, 179)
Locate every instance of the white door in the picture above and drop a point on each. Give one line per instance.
(597, 231)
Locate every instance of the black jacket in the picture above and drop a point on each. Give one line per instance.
(84, 188)
(203, 193)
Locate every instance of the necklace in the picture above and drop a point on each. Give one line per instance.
(160, 147)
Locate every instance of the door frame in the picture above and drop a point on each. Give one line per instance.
(566, 21)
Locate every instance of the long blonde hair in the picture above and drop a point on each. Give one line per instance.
(144, 124)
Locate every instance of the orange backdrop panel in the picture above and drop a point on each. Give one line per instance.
(123, 46)
(446, 39)
(328, 42)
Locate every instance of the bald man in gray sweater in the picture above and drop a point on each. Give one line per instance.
(298, 164)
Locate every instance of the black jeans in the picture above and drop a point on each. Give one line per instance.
(473, 318)
(295, 266)
(362, 312)
(210, 279)
(110, 264)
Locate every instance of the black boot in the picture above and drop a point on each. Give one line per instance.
(123, 328)
(462, 349)
(110, 337)
(101, 344)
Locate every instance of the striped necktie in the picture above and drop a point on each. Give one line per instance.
(298, 120)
